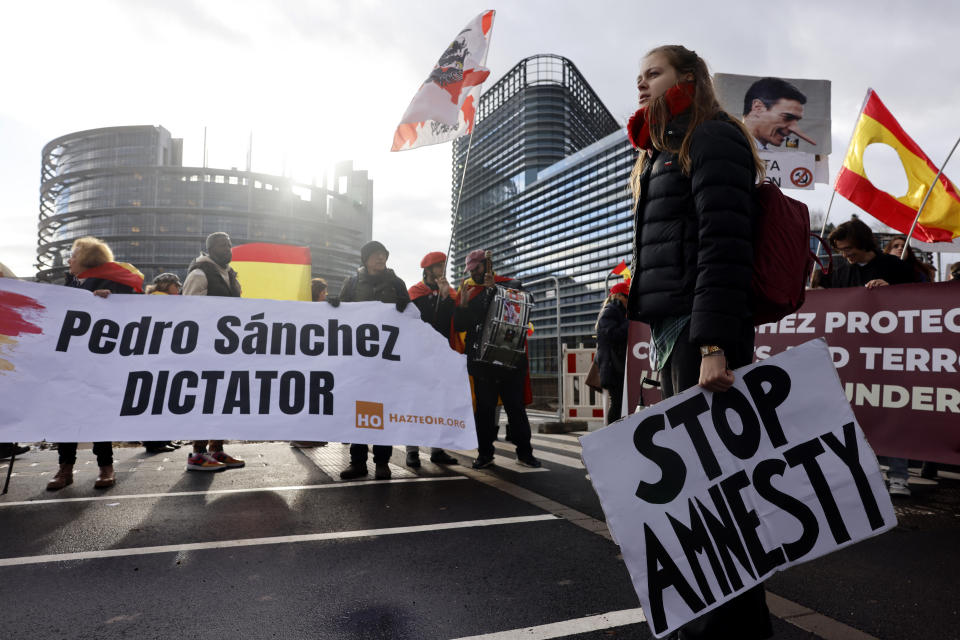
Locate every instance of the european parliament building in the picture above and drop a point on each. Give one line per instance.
(127, 186)
(546, 190)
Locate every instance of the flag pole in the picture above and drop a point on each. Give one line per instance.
(826, 216)
(926, 196)
(456, 209)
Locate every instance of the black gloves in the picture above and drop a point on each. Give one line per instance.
(402, 304)
(333, 301)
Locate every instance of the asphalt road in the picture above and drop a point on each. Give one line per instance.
(284, 549)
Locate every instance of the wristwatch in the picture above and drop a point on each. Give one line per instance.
(710, 350)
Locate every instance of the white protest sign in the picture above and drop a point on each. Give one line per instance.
(790, 170)
(708, 493)
(78, 368)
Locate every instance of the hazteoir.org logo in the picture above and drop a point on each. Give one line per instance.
(369, 415)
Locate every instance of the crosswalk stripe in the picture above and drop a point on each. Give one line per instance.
(572, 436)
(566, 461)
(568, 627)
(554, 444)
(250, 542)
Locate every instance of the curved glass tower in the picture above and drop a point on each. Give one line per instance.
(546, 190)
(126, 186)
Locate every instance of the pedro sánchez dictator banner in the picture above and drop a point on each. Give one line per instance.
(75, 367)
(708, 494)
(897, 350)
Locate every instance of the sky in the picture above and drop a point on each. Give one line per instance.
(323, 81)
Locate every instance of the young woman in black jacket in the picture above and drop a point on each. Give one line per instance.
(693, 184)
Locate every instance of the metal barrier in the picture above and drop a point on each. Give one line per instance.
(580, 402)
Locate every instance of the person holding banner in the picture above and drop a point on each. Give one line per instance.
(693, 185)
(210, 274)
(436, 300)
(864, 265)
(92, 268)
(491, 382)
(612, 332)
(318, 292)
(372, 282)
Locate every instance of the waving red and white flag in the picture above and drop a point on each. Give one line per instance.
(445, 106)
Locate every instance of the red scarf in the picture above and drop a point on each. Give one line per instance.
(679, 97)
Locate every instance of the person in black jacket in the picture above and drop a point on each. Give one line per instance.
(864, 265)
(612, 330)
(92, 268)
(373, 281)
(693, 184)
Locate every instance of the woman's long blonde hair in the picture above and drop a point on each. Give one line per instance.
(705, 107)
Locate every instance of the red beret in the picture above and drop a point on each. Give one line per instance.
(433, 258)
(621, 287)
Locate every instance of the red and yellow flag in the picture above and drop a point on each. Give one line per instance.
(940, 221)
(621, 270)
(273, 271)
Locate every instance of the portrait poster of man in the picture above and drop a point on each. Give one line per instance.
(789, 119)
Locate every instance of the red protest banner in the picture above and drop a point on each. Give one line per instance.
(896, 349)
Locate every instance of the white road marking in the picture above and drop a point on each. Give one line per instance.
(251, 542)
(566, 461)
(568, 627)
(555, 444)
(573, 436)
(305, 487)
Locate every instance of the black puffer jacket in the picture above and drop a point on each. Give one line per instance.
(693, 235)
(612, 331)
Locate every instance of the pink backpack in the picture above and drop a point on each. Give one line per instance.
(782, 259)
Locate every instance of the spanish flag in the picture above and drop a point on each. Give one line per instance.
(273, 271)
(940, 221)
(621, 270)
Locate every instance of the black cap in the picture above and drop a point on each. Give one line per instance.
(370, 248)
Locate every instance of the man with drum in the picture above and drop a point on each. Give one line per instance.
(493, 379)
(436, 300)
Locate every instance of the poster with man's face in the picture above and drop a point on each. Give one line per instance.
(782, 114)
(789, 120)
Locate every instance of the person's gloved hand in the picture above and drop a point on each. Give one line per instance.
(333, 301)
(402, 304)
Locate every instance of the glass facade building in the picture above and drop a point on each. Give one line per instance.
(546, 190)
(127, 186)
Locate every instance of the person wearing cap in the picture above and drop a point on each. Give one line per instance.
(612, 327)
(491, 382)
(167, 284)
(436, 300)
(372, 281)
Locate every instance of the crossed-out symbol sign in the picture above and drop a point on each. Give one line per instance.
(801, 177)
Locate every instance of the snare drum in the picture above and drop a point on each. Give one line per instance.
(504, 338)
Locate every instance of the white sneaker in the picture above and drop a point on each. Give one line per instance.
(899, 487)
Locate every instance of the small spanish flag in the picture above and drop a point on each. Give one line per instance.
(621, 270)
(273, 271)
(940, 221)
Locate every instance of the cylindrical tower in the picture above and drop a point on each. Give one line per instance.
(126, 186)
